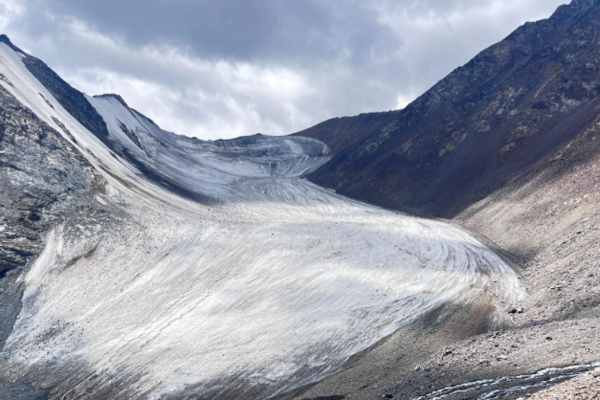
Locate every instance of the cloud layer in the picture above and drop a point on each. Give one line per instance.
(226, 68)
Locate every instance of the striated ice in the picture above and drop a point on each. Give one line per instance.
(272, 286)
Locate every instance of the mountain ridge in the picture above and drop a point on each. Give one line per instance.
(118, 238)
(456, 139)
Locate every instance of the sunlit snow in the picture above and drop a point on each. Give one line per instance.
(270, 285)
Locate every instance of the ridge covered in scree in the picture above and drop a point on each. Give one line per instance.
(512, 106)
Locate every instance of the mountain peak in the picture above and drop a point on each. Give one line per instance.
(512, 106)
(6, 40)
(115, 96)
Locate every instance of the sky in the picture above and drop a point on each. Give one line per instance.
(227, 68)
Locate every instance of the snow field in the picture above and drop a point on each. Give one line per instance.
(272, 288)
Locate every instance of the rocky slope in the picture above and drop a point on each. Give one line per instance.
(536, 202)
(43, 179)
(514, 104)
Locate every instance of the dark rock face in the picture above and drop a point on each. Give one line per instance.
(39, 172)
(42, 178)
(71, 99)
(341, 133)
(479, 128)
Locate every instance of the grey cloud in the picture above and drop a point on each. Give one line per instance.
(349, 56)
(261, 30)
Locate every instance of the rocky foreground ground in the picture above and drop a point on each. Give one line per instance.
(585, 387)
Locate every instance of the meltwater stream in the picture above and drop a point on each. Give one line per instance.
(252, 283)
(492, 389)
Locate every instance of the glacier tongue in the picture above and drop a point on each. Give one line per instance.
(272, 284)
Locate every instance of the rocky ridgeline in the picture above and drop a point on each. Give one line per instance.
(483, 125)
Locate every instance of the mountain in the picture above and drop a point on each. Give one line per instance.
(137, 263)
(513, 105)
(523, 179)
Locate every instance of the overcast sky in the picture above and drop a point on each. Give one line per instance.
(227, 68)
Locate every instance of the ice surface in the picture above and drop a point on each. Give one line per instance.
(207, 168)
(271, 287)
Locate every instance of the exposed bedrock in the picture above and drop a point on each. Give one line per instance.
(477, 129)
(43, 179)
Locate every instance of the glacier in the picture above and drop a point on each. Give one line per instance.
(222, 273)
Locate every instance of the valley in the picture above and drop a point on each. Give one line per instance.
(448, 250)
